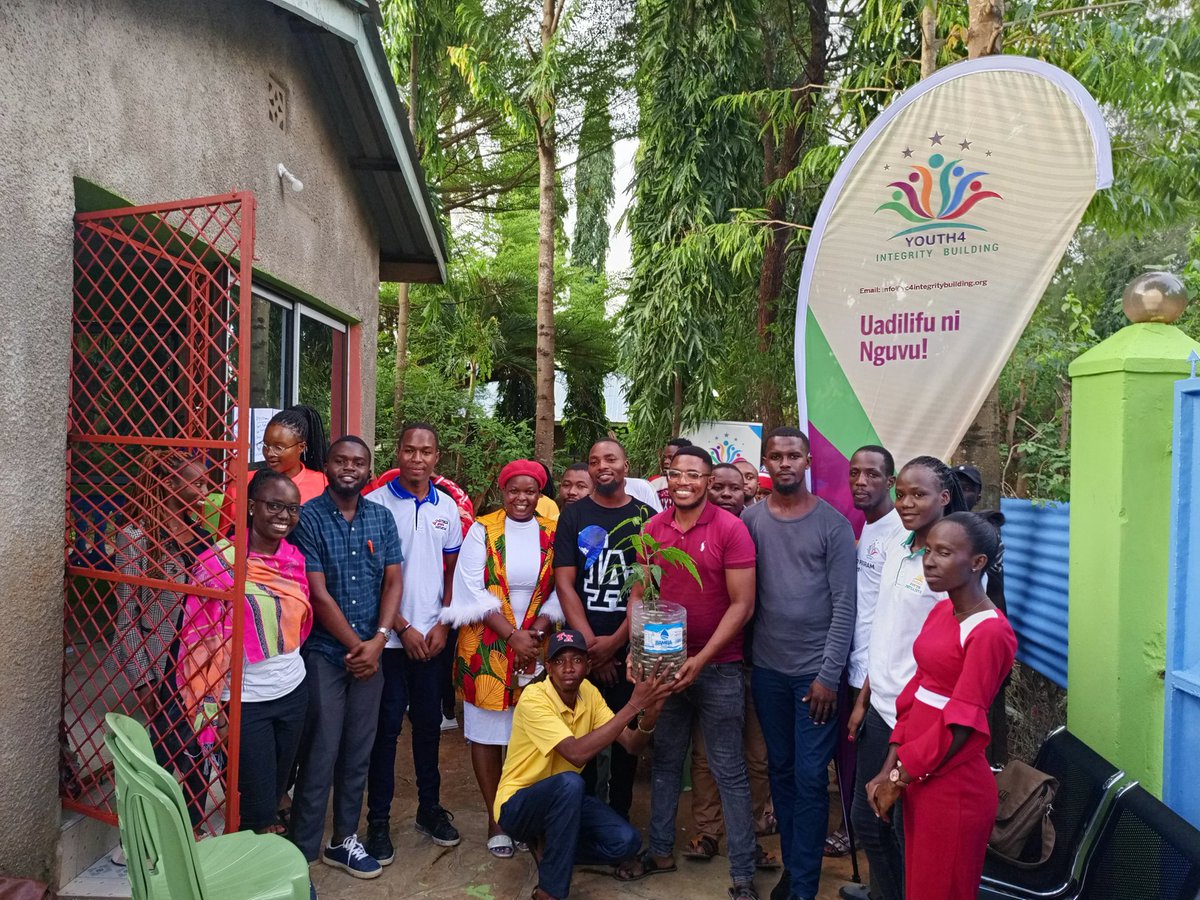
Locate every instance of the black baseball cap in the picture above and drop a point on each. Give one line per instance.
(565, 640)
(970, 473)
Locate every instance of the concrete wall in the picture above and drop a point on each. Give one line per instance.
(154, 100)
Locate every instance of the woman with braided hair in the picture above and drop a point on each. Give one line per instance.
(293, 445)
(926, 491)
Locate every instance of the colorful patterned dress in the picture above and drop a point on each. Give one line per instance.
(487, 580)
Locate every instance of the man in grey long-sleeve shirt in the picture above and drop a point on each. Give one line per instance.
(803, 625)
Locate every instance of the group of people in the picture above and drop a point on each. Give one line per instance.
(364, 599)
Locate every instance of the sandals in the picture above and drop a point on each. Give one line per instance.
(702, 847)
(501, 846)
(765, 859)
(837, 844)
(769, 824)
(645, 866)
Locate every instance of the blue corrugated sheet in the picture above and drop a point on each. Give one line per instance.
(1035, 583)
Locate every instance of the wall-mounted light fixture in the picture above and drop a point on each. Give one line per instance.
(285, 175)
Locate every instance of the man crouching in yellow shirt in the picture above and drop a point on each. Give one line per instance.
(559, 724)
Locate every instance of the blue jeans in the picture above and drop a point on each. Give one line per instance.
(574, 829)
(718, 698)
(798, 755)
(416, 688)
(883, 842)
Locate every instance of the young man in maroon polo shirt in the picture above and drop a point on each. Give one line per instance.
(710, 685)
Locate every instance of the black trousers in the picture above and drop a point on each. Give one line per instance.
(271, 731)
(623, 768)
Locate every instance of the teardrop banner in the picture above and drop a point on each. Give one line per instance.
(931, 249)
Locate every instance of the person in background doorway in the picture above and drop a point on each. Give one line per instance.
(872, 477)
(161, 539)
(749, 473)
(558, 726)
(659, 483)
(503, 606)
(427, 522)
(293, 445)
(593, 553)
(278, 617)
(576, 484)
(547, 508)
(803, 626)
(936, 758)
(710, 685)
(727, 490)
(352, 555)
(926, 491)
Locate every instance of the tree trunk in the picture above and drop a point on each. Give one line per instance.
(403, 307)
(979, 447)
(930, 43)
(986, 27)
(677, 407)
(403, 302)
(544, 419)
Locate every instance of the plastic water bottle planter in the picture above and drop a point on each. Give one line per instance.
(658, 635)
(658, 628)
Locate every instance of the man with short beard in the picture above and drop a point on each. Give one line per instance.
(352, 555)
(749, 480)
(576, 484)
(804, 621)
(592, 556)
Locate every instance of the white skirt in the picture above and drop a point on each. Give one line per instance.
(487, 726)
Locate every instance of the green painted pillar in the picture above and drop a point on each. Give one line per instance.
(1122, 392)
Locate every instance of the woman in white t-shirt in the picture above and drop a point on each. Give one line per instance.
(277, 618)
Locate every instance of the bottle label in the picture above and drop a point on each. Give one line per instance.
(663, 637)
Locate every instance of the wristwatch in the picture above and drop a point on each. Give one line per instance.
(539, 633)
(386, 632)
(894, 777)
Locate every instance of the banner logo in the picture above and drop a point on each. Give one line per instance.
(937, 195)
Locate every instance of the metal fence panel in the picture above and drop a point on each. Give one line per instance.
(158, 374)
(1036, 550)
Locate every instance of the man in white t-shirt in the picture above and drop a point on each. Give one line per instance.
(431, 536)
(872, 477)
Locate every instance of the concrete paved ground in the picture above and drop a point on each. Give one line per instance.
(422, 869)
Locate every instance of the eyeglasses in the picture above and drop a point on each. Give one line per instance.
(689, 477)
(274, 507)
(278, 448)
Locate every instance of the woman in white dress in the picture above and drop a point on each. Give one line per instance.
(503, 603)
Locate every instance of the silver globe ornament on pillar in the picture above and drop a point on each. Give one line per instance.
(1155, 297)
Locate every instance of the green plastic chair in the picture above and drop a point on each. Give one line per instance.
(165, 862)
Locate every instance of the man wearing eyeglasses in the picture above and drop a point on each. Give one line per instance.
(710, 685)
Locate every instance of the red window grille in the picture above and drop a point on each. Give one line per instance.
(159, 374)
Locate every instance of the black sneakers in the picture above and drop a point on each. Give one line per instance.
(379, 843)
(435, 824)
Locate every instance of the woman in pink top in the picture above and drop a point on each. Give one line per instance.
(936, 760)
(293, 445)
(277, 617)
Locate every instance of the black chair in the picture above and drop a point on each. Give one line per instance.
(1087, 783)
(1145, 852)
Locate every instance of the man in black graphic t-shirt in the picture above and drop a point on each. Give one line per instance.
(592, 556)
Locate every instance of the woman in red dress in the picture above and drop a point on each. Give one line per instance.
(964, 652)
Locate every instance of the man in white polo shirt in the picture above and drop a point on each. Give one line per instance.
(428, 522)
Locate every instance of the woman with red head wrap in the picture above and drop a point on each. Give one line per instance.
(503, 605)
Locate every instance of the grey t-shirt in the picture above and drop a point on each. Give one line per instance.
(804, 613)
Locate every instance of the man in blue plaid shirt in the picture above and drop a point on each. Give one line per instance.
(352, 554)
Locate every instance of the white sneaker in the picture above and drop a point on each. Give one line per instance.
(449, 724)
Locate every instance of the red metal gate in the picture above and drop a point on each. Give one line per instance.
(159, 381)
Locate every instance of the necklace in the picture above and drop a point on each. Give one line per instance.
(967, 612)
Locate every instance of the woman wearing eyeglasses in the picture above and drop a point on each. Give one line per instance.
(293, 445)
(277, 618)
